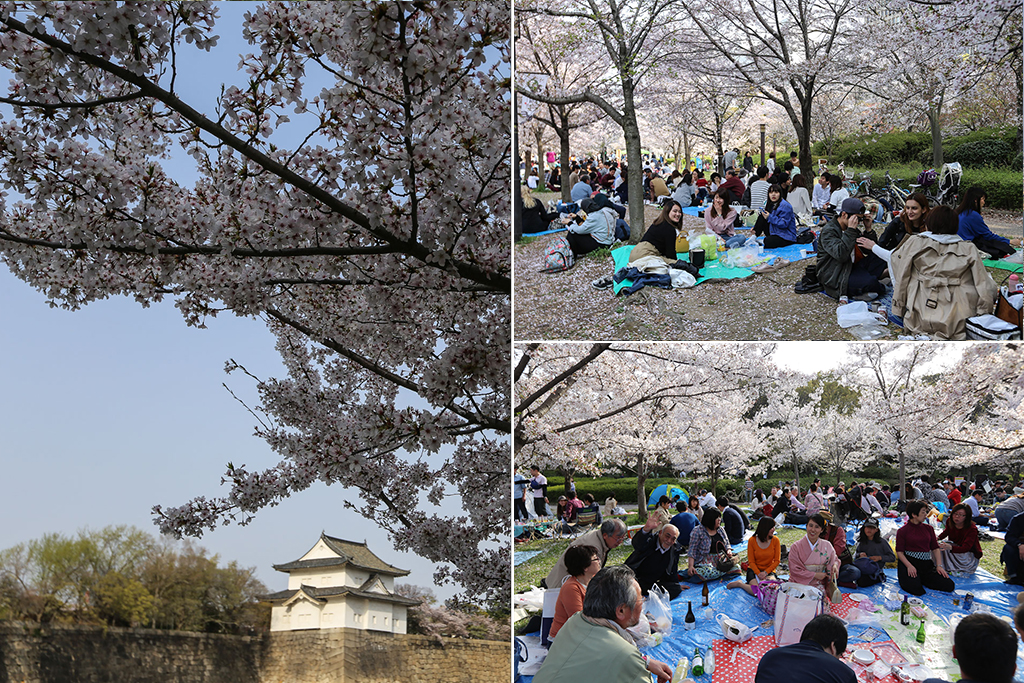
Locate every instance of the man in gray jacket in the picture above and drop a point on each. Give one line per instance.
(840, 271)
(610, 535)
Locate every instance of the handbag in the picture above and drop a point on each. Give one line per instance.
(795, 606)
(1005, 310)
(724, 563)
(767, 594)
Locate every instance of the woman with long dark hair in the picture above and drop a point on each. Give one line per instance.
(764, 552)
(777, 221)
(719, 219)
(962, 552)
(973, 229)
(909, 222)
(660, 238)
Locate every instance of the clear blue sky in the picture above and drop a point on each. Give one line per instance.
(110, 410)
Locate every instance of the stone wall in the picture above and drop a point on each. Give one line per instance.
(353, 656)
(86, 654)
(92, 654)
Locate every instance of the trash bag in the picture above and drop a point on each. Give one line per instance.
(857, 313)
(658, 611)
(744, 257)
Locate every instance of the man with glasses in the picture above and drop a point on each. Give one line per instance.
(609, 535)
(594, 645)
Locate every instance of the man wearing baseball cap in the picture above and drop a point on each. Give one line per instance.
(843, 268)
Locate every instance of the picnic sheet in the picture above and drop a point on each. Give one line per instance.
(521, 556)
(1003, 265)
(737, 604)
(712, 270)
(545, 232)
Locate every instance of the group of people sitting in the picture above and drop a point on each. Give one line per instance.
(597, 604)
(932, 256)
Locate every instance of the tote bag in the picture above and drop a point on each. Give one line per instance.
(795, 605)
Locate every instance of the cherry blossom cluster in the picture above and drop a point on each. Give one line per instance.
(376, 250)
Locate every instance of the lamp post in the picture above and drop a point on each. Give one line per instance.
(762, 144)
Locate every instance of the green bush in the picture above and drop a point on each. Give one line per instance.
(1002, 187)
(1017, 162)
(980, 154)
(624, 488)
(878, 150)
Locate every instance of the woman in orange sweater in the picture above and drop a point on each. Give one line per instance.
(582, 562)
(763, 554)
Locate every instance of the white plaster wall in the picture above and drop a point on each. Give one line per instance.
(320, 577)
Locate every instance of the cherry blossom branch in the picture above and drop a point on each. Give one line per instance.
(150, 89)
(396, 379)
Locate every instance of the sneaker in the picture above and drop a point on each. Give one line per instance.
(603, 282)
(867, 296)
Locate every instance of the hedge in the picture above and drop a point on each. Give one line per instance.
(625, 488)
(992, 153)
(878, 150)
(1002, 187)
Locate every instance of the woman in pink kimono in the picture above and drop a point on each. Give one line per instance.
(813, 560)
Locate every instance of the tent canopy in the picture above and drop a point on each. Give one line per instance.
(670, 490)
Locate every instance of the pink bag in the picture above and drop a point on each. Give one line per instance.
(767, 593)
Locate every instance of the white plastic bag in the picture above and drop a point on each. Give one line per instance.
(857, 313)
(657, 610)
(743, 257)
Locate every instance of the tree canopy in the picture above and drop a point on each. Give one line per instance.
(373, 243)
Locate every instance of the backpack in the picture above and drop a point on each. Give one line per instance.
(559, 256)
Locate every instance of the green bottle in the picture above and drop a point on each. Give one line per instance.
(698, 663)
(920, 632)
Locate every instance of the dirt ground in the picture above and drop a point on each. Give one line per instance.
(763, 307)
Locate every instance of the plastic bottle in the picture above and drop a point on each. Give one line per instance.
(905, 612)
(690, 622)
(1014, 284)
(698, 663)
(681, 668)
(709, 662)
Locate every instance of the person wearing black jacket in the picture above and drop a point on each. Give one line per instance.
(733, 519)
(655, 558)
(535, 218)
(909, 222)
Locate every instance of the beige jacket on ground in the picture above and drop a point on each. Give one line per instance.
(939, 281)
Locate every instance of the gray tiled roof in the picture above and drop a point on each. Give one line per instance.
(349, 552)
(320, 594)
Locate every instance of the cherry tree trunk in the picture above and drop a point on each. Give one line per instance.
(641, 492)
(563, 152)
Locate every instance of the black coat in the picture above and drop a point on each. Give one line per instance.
(649, 564)
(537, 219)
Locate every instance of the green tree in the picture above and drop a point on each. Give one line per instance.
(121, 600)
